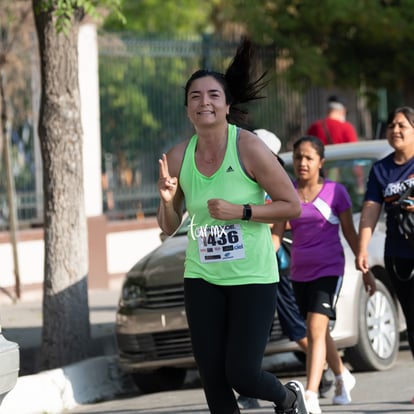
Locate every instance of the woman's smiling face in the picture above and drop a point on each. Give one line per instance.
(400, 132)
(206, 101)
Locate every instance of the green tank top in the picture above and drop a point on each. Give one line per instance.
(234, 252)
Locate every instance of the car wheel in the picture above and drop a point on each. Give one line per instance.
(163, 379)
(378, 342)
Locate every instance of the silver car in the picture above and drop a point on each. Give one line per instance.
(151, 327)
(9, 365)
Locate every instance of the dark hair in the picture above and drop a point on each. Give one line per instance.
(201, 73)
(316, 143)
(238, 82)
(407, 111)
(336, 99)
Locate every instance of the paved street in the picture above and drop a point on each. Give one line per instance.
(376, 392)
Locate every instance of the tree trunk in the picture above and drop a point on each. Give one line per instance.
(66, 327)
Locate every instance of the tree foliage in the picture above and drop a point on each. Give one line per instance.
(329, 43)
(64, 10)
(337, 42)
(176, 17)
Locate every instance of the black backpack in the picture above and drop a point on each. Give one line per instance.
(404, 218)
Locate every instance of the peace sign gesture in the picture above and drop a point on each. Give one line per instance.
(167, 185)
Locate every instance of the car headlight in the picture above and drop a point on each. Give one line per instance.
(132, 295)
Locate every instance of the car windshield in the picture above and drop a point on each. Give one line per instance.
(352, 173)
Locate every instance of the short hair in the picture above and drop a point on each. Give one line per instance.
(335, 102)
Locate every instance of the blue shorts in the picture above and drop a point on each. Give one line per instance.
(290, 319)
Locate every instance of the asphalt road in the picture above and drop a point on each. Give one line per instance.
(375, 392)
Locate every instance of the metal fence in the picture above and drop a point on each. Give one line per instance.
(142, 115)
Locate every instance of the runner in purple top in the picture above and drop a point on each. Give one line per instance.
(317, 265)
(317, 249)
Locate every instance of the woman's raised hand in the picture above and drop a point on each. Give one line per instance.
(167, 185)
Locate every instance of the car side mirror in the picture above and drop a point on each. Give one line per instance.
(163, 236)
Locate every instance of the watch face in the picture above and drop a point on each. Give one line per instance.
(247, 212)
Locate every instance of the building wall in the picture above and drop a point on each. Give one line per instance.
(114, 247)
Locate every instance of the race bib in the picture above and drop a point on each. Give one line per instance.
(221, 243)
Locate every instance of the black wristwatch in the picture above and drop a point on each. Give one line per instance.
(247, 212)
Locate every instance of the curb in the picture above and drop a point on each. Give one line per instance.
(60, 389)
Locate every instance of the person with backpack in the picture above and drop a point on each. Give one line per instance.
(388, 180)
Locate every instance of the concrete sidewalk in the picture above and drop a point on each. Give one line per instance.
(96, 378)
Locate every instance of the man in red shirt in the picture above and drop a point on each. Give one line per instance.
(334, 129)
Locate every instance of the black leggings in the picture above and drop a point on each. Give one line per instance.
(404, 291)
(229, 327)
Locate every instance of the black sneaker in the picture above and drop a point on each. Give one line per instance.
(299, 406)
(327, 382)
